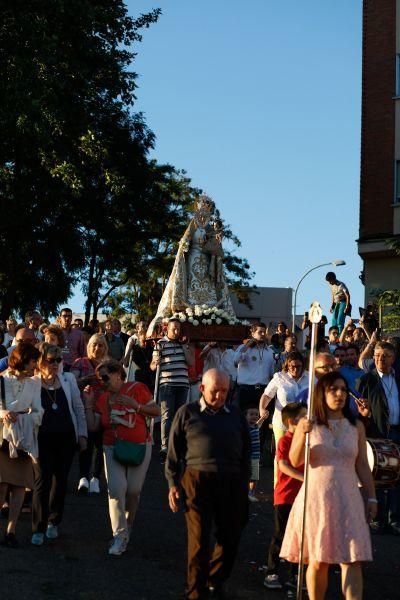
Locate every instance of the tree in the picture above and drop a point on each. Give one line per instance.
(66, 92)
(389, 303)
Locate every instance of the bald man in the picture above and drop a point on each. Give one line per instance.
(207, 468)
(24, 334)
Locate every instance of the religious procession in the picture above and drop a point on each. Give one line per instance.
(176, 420)
(227, 394)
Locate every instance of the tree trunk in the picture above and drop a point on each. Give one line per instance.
(89, 299)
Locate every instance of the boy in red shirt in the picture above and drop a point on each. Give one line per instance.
(288, 485)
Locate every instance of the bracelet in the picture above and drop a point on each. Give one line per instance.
(373, 500)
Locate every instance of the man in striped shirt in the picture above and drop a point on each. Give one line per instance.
(173, 359)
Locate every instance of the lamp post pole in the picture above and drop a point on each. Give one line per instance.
(335, 263)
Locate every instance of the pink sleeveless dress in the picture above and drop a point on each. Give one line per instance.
(336, 527)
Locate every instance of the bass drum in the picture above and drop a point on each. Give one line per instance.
(384, 462)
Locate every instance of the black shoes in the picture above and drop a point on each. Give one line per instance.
(377, 528)
(10, 541)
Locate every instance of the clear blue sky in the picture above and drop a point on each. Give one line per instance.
(260, 102)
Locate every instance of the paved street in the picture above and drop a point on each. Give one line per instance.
(77, 565)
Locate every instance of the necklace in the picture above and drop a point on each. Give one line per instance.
(50, 384)
(52, 397)
(335, 427)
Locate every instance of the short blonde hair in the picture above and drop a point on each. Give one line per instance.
(97, 338)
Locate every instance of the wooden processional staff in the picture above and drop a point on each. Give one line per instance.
(315, 315)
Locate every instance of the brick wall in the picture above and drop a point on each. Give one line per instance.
(378, 118)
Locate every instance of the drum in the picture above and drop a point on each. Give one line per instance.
(384, 462)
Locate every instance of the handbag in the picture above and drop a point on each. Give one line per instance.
(129, 453)
(5, 445)
(125, 452)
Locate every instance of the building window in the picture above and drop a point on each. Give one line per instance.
(397, 182)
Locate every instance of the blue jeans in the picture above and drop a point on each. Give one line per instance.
(171, 398)
(389, 500)
(338, 316)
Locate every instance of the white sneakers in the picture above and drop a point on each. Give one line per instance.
(272, 582)
(37, 539)
(83, 486)
(118, 546)
(94, 486)
(52, 532)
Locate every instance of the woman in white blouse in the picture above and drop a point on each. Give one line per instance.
(285, 385)
(21, 414)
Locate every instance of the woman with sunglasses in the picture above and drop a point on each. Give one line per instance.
(122, 412)
(63, 426)
(336, 529)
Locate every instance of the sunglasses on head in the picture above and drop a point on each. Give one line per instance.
(52, 361)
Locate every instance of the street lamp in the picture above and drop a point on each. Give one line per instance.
(335, 263)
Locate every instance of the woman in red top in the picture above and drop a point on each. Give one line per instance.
(121, 412)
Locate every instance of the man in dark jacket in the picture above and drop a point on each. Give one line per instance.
(382, 389)
(208, 467)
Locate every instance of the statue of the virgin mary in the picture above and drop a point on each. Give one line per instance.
(197, 276)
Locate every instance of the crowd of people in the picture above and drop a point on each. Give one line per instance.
(223, 409)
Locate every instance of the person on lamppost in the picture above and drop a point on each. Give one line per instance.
(340, 301)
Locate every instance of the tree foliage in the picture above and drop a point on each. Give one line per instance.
(81, 200)
(66, 91)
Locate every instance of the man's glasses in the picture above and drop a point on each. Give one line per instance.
(104, 377)
(325, 367)
(52, 361)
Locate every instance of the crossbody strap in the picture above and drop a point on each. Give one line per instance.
(115, 425)
(3, 393)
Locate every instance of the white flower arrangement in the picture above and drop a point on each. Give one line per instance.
(184, 245)
(207, 315)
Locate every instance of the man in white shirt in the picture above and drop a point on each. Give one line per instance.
(255, 363)
(33, 321)
(217, 355)
(382, 388)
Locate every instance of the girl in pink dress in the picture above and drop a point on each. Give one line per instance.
(336, 525)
